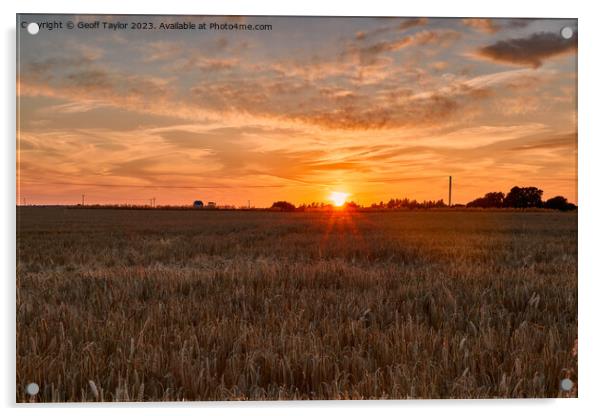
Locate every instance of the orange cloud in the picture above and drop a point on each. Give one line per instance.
(483, 25)
(367, 54)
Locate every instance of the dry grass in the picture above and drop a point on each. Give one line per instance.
(189, 305)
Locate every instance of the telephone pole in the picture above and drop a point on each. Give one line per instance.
(83, 199)
(450, 188)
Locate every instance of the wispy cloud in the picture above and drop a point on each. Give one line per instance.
(404, 25)
(492, 26)
(483, 25)
(410, 23)
(368, 53)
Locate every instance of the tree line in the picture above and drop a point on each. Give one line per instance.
(395, 203)
(528, 197)
(519, 198)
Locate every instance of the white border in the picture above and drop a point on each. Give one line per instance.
(590, 133)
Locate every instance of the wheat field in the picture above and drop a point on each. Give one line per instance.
(156, 305)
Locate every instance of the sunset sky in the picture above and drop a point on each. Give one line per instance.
(378, 108)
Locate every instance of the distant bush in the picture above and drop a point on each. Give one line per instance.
(560, 203)
(283, 206)
(490, 200)
(351, 205)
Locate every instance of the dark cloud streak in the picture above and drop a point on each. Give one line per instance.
(530, 51)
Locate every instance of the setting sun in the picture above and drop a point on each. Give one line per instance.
(338, 198)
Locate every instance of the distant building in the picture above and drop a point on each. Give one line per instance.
(197, 204)
(211, 205)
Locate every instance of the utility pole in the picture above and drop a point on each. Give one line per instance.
(450, 187)
(83, 199)
(249, 203)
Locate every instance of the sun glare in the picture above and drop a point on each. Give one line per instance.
(338, 198)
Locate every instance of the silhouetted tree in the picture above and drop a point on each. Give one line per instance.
(351, 205)
(559, 203)
(529, 197)
(283, 206)
(490, 200)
